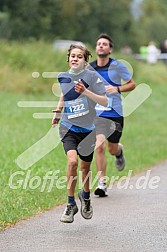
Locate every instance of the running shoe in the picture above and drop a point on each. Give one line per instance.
(120, 161)
(86, 207)
(101, 190)
(68, 215)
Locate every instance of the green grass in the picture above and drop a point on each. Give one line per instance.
(18, 62)
(144, 136)
(18, 132)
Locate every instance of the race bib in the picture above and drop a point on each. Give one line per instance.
(76, 108)
(109, 106)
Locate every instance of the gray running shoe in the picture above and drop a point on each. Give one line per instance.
(120, 162)
(69, 212)
(86, 208)
(101, 190)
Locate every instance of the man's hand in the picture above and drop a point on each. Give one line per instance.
(111, 89)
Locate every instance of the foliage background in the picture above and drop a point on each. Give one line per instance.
(84, 20)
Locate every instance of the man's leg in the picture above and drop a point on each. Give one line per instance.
(101, 190)
(100, 156)
(116, 149)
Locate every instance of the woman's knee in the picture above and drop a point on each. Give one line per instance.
(101, 148)
(72, 162)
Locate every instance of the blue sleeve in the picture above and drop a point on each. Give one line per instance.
(124, 72)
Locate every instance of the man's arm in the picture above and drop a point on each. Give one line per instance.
(130, 85)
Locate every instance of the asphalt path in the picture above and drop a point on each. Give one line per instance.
(132, 218)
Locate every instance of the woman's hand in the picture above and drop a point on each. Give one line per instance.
(56, 117)
(79, 87)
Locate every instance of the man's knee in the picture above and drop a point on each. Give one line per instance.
(113, 149)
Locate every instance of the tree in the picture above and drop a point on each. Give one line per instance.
(77, 19)
(152, 23)
(83, 20)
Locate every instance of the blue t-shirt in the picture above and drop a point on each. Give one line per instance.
(112, 74)
(79, 110)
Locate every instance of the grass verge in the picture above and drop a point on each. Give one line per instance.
(144, 139)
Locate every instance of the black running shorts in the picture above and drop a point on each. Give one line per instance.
(110, 127)
(83, 143)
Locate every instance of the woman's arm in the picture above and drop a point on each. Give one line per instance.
(100, 99)
(57, 112)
